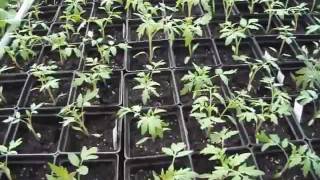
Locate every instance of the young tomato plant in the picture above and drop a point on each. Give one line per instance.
(21, 48)
(227, 7)
(199, 80)
(308, 76)
(267, 64)
(138, 5)
(6, 16)
(235, 32)
(34, 12)
(146, 83)
(191, 29)
(73, 114)
(314, 28)
(205, 109)
(107, 50)
(190, 4)
(171, 28)
(29, 27)
(69, 29)
(61, 173)
(26, 119)
(309, 96)
(43, 74)
(74, 8)
(274, 7)
(150, 122)
(175, 151)
(286, 35)
(219, 138)
(251, 5)
(108, 5)
(149, 27)
(5, 151)
(230, 166)
(102, 23)
(260, 111)
(280, 103)
(300, 155)
(296, 12)
(97, 73)
(58, 41)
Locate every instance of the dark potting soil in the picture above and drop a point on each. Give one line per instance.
(215, 29)
(100, 123)
(264, 23)
(312, 131)
(287, 53)
(198, 138)
(11, 92)
(116, 31)
(240, 81)
(316, 147)
(282, 129)
(203, 55)
(219, 10)
(61, 94)
(273, 162)
(143, 174)
(151, 147)
(302, 25)
(100, 170)
(165, 90)
(202, 165)
(244, 10)
(28, 171)
(39, 30)
(226, 53)
(52, 57)
(47, 14)
(50, 130)
(48, 2)
(109, 92)
(140, 62)
(25, 65)
(289, 84)
(3, 129)
(184, 99)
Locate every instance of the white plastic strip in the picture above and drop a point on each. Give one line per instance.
(297, 110)
(19, 16)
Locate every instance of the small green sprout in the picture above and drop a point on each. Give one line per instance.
(61, 173)
(176, 151)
